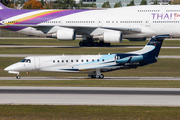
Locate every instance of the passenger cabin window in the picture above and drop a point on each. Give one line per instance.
(76, 60)
(53, 61)
(71, 60)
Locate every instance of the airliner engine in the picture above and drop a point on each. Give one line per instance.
(65, 34)
(111, 37)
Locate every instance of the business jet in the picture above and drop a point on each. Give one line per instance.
(91, 64)
(106, 26)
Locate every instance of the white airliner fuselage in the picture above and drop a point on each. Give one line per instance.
(109, 26)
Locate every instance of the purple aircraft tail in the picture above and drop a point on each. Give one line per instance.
(2, 6)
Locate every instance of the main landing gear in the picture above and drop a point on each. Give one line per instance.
(96, 74)
(93, 44)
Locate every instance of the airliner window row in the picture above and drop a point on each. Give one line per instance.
(165, 21)
(172, 10)
(148, 10)
(33, 21)
(62, 61)
(80, 21)
(124, 22)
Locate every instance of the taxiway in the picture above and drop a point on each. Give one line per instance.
(90, 96)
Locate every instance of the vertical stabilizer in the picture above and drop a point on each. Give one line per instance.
(152, 49)
(156, 43)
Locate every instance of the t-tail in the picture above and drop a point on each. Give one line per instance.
(151, 51)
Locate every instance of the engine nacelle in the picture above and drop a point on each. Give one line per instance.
(66, 34)
(111, 37)
(129, 59)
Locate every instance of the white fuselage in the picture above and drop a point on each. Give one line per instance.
(149, 20)
(64, 63)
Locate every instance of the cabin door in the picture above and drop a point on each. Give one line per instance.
(100, 22)
(37, 62)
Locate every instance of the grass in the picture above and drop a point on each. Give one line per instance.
(76, 42)
(163, 68)
(79, 51)
(7, 33)
(94, 83)
(45, 112)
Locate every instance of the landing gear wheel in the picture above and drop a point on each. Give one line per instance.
(107, 44)
(93, 76)
(89, 44)
(96, 44)
(101, 43)
(101, 76)
(18, 77)
(81, 43)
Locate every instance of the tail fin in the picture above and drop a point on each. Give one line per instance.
(152, 49)
(2, 6)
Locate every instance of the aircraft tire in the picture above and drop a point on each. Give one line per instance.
(89, 44)
(101, 76)
(101, 43)
(107, 44)
(81, 43)
(96, 44)
(18, 77)
(93, 76)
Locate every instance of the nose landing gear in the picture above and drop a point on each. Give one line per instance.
(18, 77)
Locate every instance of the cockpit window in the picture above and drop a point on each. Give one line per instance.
(23, 60)
(28, 61)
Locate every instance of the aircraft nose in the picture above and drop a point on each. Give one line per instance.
(8, 68)
(12, 67)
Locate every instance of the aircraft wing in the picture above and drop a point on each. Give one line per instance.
(104, 69)
(123, 29)
(135, 30)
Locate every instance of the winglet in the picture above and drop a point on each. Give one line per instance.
(2, 6)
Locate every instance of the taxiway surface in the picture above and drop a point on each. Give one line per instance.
(90, 96)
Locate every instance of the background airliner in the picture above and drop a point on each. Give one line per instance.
(91, 64)
(107, 26)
